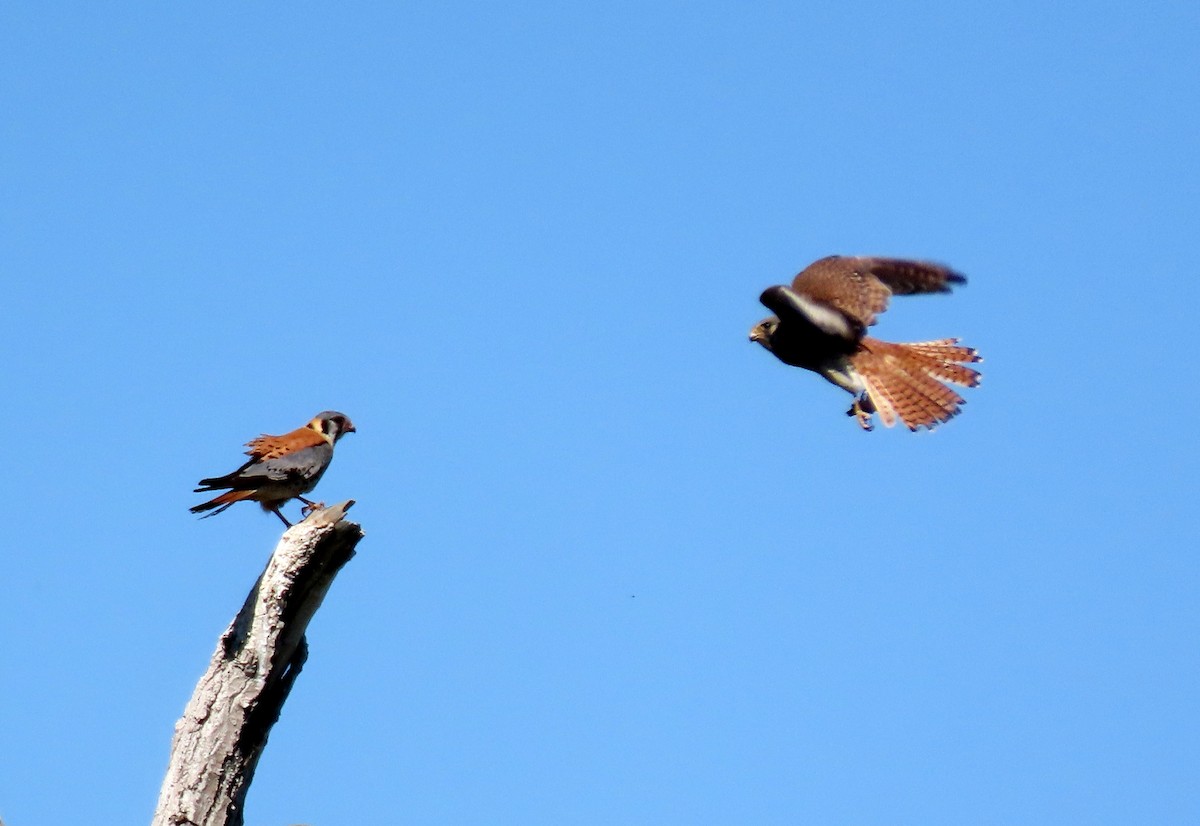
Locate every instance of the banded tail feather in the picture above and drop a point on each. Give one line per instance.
(905, 381)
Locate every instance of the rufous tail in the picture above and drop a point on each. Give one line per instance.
(222, 502)
(905, 381)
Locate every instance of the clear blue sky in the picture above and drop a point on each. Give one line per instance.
(621, 566)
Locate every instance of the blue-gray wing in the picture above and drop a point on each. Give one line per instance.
(308, 463)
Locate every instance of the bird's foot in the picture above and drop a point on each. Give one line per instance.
(862, 413)
(310, 508)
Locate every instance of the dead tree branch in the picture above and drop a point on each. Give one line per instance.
(224, 728)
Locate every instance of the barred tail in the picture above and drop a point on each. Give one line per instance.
(905, 381)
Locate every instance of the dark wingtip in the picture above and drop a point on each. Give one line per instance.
(767, 296)
(778, 299)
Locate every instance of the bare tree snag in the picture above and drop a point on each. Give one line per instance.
(224, 728)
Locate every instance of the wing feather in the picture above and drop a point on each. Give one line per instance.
(904, 277)
(303, 465)
(860, 287)
(270, 447)
(799, 310)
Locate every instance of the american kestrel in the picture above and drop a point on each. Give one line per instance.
(280, 467)
(820, 324)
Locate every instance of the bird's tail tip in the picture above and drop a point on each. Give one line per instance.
(220, 503)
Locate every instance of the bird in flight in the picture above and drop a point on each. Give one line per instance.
(820, 324)
(281, 468)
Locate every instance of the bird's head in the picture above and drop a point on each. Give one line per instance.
(764, 330)
(332, 425)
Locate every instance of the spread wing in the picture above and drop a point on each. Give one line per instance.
(905, 277)
(803, 314)
(860, 287)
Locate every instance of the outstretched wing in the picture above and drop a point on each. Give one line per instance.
(861, 286)
(904, 277)
(804, 315)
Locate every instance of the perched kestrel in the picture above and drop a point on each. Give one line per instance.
(820, 324)
(280, 467)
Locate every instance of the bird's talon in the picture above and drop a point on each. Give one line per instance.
(859, 412)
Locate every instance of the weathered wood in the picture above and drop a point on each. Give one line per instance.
(224, 728)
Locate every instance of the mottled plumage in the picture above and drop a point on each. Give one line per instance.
(820, 323)
(281, 468)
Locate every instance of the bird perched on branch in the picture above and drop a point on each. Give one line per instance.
(820, 323)
(281, 468)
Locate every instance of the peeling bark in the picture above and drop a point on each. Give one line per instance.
(224, 728)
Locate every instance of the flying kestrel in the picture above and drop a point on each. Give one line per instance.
(820, 324)
(281, 468)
